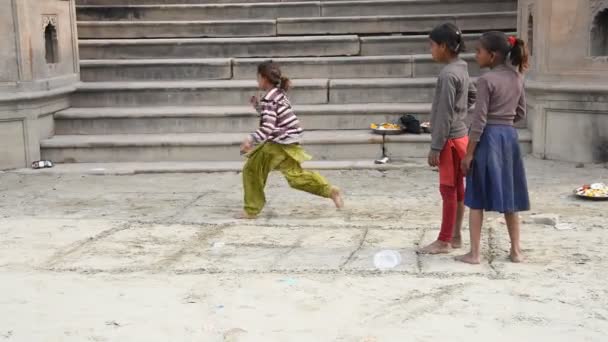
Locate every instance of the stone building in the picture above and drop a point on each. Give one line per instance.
(38, 71)
(568, 85)
(161, 83)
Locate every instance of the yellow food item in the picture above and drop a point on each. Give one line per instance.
(385, 126)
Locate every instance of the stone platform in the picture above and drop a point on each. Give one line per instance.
(161, 258)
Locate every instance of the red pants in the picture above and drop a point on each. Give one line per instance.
(451, 184)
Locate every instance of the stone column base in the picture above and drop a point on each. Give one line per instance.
(569, 121)
(25, 119)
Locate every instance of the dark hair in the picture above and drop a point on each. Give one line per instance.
(513, 48)
(450, 35)
(272, 73)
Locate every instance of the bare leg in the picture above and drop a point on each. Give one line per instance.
(457, 237)
(513, 227)
(336, 196)
(475, 222)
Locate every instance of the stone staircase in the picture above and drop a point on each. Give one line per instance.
(169, 80)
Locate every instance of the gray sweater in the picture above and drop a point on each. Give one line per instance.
(501, 100)
(454, 94)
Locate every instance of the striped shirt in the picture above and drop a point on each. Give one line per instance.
(278, 121)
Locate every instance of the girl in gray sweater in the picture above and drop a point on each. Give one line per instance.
(454, 94)
(496, 179)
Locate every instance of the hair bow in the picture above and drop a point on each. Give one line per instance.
(512, 40)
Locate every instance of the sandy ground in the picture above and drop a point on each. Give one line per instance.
(160, 258)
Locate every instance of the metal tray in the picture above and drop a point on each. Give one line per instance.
(388, 131)
(605, 198)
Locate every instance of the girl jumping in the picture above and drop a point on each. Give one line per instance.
(278, 146)
(496, 179)
(454, 95)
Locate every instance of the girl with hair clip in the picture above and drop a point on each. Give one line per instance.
(496, 179)
(278, 146)
(454, 95)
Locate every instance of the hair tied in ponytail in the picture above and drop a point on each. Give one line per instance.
(512, 41)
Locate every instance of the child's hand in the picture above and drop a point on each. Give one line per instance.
(247, 145)
(254, 101)
(434, 158)
(465, 164)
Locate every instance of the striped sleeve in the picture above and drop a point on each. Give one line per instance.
(267, 124)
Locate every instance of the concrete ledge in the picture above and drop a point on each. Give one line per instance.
(220, 47)
(155, 69)
(175, 29)
(395, 24)
(566, 87)
(35, 95)
(324, 145)
(165, 93)
(197, 10)
(206, 167)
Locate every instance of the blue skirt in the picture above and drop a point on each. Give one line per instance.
(497, 179)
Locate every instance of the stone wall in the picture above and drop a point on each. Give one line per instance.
(568, 83)
(38, 71)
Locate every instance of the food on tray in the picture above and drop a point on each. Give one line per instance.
(596, 190)
(385, 126)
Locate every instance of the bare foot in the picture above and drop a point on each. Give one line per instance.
(437, 247)
(336, 196)
(457, 242)
(468, 259)
(245, 216)
(515, 256)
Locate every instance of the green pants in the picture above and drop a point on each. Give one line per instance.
(285, 158)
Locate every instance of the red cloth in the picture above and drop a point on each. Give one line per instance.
(449, 161)
(451, 184)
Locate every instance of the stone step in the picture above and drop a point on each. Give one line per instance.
(411, 7)
(235, 92)
(346, 45)
(293, 26)
(394, 45)
(196, 12)
(323, 145)
(155, 69)
(187, 93)
(246, 68)
(382, 90)
(276, 2)
(167, 2)
(403, 66)
(175, 29)
(158, 120)
(395, 24)
(269, 10)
